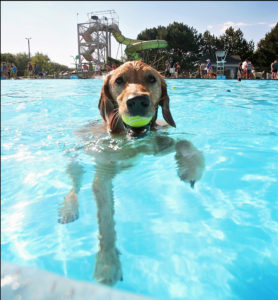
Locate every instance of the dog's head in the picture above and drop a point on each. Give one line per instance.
(133, 89)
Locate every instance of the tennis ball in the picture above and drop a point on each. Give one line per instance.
(173, 87)
(136, 121)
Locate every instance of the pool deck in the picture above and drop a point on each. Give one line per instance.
(25, 283)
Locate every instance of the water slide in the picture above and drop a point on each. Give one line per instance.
(132, 46)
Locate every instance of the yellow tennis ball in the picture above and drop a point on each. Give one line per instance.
(136, 121)
(173, 87)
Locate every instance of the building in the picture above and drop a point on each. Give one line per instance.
(230, 67)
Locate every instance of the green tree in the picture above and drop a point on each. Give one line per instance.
(267, 50)
(7, 58)
(183, 45)
(235, 44)
(210, 44)
(41, 60)
(21, 61)
(57, 68)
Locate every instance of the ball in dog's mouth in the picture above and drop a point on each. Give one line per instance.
(136, 121)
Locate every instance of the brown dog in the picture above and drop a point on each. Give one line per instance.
(133, 89)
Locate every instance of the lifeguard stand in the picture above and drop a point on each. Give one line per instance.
(220, 61)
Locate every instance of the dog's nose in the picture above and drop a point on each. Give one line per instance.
(138, 105)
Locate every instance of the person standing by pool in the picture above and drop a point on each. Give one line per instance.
(202, 70)
(98, 72)
(209, 68)
(178, 68)
(4, 70)
(9, 71)
(85, 70)
(244, 68)
(239, 71)
(30, 69)
(167, 68)
(249, 68)
(14, 70)
(36, 70)
(172, 68)
(274, 69)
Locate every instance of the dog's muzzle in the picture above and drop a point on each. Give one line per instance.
(138, 106)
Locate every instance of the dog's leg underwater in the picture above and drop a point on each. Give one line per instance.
(190, 162)
(108, 266)
(69, 210)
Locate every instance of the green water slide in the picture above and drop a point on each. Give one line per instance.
(135, 46)
(132, 46)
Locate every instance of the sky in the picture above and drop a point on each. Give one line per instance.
(52, 25)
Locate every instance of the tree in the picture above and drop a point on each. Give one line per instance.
(21, 61)
(210, 44)
(154, 57)
(41, 60)
(235, 44)
(7, 58)
(183, 44)
(267, 50)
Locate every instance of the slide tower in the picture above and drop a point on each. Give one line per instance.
(94, 38)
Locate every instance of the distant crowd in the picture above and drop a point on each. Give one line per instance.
(96, 69)
(34, 72)
(245, 70)
(9, 71)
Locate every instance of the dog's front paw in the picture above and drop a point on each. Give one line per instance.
(108, 268)
(69, 211)
(190, 162)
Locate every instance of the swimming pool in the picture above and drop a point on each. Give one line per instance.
(216, 241)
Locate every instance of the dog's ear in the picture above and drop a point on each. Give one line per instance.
(164, 103)
(108, 108)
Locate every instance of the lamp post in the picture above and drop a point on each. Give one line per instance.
(28, 47)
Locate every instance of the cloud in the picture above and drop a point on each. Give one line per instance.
(232, 24)
(261, 23)
(210, 26)
(272, 25)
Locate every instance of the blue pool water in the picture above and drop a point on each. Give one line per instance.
(216, 241)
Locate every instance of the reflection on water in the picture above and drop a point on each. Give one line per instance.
(216, 241)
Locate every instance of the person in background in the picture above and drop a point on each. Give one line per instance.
(202, 70)
(209, 68)
(239, 71)
(14, 70)
(30, 69)
(5, 70)
(9, 71)
(244, 68)
(114, 66)
(167, 68)
(98, 69)
(85, 69)
(274, 69)
(172, 68)
(249, 68)
(178, 68)
(36, 70)
(108, 68)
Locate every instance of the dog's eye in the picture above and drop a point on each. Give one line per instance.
(151, 79)
(119, 80)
